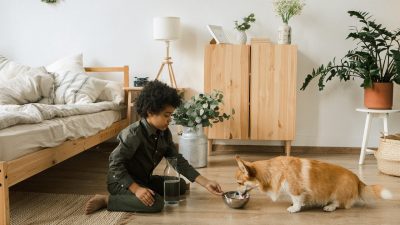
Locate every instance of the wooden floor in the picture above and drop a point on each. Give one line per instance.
(85, 174)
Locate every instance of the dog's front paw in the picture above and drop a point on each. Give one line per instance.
(293, 209)
(330, 208)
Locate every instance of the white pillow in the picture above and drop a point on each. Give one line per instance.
(20, 90)
(10, 69)
(77, 88)
(73, 63)
(46, 83)
(27, 88)
(113, 92)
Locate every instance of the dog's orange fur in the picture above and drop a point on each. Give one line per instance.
(308, 182)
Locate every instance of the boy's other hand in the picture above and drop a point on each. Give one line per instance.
(145, 195)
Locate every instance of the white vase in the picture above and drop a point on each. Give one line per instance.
(241, 37)
(193, 146)
(284, 34)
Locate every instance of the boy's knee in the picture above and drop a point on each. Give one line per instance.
(158, 204)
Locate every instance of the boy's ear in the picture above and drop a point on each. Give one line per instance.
(244, 167)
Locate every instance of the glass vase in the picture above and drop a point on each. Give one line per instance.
(171, 182)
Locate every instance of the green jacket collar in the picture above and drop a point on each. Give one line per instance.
(149, 128)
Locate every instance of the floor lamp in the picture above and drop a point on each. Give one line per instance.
(166, 29)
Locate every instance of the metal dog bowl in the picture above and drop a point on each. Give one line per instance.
(235, 200)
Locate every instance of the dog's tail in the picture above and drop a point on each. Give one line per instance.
(373, 192)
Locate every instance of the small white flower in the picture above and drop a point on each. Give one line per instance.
(288, 8)
(198, 120)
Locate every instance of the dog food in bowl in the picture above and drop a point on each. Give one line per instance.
(235, 199)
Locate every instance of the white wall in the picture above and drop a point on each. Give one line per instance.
(119, 32)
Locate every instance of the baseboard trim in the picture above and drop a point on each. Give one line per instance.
(229, 149)
(224, 149)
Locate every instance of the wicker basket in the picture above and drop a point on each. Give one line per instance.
(388, 155)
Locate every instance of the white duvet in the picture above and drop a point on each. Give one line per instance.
(35, 112)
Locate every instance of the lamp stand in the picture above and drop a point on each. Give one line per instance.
(168, 61)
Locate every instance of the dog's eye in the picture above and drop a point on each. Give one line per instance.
(240, 182)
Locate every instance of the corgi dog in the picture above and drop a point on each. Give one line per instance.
(308, 182)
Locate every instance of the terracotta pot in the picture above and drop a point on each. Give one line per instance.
(380, 96)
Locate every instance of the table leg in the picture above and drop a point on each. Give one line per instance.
(210, 144)
(365, 137)
(385, 124)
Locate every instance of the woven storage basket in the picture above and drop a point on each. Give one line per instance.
(388, 155)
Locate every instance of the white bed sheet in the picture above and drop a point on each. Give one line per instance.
(22, 139)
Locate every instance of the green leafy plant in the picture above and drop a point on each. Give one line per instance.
(245, 25)
(286, 9)
(375, 59)
(201, 109)
(49, 1)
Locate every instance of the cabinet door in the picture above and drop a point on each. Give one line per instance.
(226, 68)
(273, 91)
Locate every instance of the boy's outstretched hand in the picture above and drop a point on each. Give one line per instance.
(210, 185)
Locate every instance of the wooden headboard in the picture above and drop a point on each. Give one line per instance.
(124, 69)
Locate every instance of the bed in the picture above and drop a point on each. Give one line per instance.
(20, 165)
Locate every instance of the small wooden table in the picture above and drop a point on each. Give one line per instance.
(371, 113)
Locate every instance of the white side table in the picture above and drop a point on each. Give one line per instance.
(371, 113)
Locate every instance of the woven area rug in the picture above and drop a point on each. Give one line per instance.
(43, 208)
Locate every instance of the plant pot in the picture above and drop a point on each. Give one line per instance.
(193, 146)
(241, 37)
(380, 96)
(284, 34)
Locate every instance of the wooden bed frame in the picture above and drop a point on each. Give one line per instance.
(17, 170)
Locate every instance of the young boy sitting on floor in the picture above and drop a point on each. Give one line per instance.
(142, 146)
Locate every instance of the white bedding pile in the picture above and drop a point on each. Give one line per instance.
(35, 113)
(32, 95)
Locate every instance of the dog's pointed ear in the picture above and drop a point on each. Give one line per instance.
(247, 170)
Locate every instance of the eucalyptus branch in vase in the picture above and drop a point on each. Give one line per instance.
(242, 27)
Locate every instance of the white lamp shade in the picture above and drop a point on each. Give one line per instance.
(166, 28)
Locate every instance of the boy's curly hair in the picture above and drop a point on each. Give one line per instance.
(155, 96)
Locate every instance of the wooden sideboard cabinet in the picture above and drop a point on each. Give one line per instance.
(259, 83)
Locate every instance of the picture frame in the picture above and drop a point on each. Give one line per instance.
(218, 34)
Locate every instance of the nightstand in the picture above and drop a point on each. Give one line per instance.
(133, 94)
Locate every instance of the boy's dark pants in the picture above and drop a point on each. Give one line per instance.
(122, 199)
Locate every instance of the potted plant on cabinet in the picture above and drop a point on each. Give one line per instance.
(202, 110)
(245, 25)
(375, 60)
(286, 9)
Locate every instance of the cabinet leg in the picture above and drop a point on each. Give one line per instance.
(4, 199)
(288, 146)
(210, 144)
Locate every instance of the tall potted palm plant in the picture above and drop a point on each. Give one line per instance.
(375, 60)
